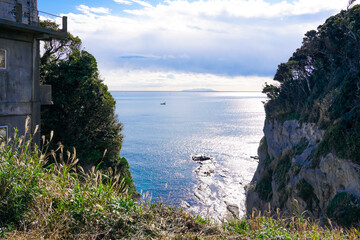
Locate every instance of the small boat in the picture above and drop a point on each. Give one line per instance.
(163, 103)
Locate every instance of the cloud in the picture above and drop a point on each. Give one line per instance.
(87, 10)
(126, 2)
(143, 3)
(130, 2)
(228, 38)
(241, 8)
(177, 81)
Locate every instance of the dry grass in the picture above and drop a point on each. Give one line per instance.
(61, 201)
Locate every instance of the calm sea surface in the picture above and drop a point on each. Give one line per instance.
(160, 140)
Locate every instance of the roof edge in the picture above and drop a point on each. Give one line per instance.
(43, 33)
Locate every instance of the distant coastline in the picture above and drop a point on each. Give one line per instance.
(179, 91)
(199, 90)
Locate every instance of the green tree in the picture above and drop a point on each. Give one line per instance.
(82, 115)
(351, 2)
(321, 84)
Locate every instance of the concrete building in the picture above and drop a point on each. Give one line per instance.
(21, 94)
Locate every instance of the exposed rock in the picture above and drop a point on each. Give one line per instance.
(233, 209)
(200, 157)
(289, 177)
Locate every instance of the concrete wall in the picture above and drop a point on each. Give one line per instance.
(29, 8)
(20, 92)
(19, 81)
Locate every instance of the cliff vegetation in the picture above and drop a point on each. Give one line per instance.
(309, 157)
(321, 84)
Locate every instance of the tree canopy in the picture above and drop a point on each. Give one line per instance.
(321, 83)
(82, 115)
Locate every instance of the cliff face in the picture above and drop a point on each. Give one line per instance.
(291, 178)
(309, 158)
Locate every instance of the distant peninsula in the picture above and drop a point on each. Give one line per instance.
(199, 90)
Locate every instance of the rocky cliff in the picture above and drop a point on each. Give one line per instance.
(309, 157)
(291, 178)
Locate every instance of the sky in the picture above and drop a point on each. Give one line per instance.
(174, 45)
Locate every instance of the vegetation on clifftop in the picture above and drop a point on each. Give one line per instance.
(321, 83)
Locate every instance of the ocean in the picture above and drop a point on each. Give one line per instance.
(161, 139)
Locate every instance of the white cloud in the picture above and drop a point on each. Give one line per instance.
(129, 2)
(177, 81)
(87, 10)
(142, 3)
(126, 2)
(216, 37)
(241, 8)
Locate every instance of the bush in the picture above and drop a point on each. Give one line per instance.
(306, 192)
(344, 208)
(264, 188)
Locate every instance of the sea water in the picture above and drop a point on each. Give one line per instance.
(159, 141)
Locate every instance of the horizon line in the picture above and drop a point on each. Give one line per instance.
(177, 91)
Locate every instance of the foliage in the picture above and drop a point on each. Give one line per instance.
(61, 201)
(306, 192)
(277, 227)
(264, 148)
(282, 168)
(271, 91)
(82, 115)
(345, 209)
(300, 148)
(19, 178)
(281, 176)
(264, 188)
(320, 83)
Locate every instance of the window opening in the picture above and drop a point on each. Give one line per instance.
(2, 59)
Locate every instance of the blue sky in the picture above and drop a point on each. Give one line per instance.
(177, 44)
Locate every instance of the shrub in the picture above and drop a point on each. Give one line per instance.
(300, 148)
(306, 192)
(264, 188)
(344, 208)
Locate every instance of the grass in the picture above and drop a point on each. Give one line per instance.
(61, 201)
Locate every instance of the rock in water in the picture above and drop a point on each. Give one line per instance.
(200, 157)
